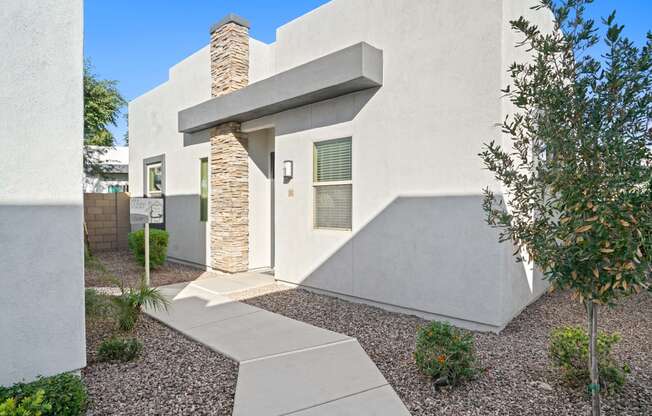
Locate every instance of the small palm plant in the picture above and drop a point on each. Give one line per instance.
(130, 303)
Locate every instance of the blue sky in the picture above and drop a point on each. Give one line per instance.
(136, 41)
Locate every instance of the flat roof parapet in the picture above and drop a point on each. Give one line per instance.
(348, 70)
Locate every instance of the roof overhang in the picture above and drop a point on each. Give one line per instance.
(348, 70)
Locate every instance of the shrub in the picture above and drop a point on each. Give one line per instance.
(119, 349)
(98, 305)
(445, 353)
(65, 393)
(569, 351)
(34, 405)
(158, 246)
(129, 304)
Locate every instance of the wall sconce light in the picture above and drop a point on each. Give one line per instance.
(287, 169)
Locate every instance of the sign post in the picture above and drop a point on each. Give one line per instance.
(147, 254)
(146, 211)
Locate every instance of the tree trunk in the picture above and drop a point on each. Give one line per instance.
(594, 387)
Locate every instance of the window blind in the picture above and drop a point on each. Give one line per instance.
(333, 160)
(333, 206)
(332, 184)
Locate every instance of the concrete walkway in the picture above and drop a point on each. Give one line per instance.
(287, 367)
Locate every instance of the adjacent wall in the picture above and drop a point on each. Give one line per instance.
(41, 239)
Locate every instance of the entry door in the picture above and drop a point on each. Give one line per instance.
(272, 166)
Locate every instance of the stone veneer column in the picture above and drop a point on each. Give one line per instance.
(229, 205)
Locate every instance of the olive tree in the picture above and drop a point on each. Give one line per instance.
(575, 167)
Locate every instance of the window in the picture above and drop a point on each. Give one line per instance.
(332, 184)
(203, 190)
(154, 179)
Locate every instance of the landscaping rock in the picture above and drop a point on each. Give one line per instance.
(108, 265)
(541, 385)
(173, 376)
(511, 359)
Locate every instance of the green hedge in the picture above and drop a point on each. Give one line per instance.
(158, 246)
(65, 393)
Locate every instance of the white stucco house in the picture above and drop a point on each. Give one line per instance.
(114, 164)
(41, 213)
(344, 155)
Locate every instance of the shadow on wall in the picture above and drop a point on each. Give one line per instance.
(41, 290)
(203, 136)
(187, 233)
(433, 254)
(324, 113)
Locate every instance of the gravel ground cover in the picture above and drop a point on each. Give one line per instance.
(173, 376)
(122, 264)
(517, 379)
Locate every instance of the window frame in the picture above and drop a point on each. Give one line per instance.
(203, 199)
(150, 192)
(316, 184)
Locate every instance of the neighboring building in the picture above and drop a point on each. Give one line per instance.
(344, 154)
(114, 164)
(41, 236)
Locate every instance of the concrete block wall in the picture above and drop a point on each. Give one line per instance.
(107, 220)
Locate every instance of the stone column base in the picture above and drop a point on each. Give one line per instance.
(229, 199)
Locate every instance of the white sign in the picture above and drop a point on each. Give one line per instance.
(146, 210)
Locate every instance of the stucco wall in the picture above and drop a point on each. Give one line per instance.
(261, 60)
(261, 143)
(153, 131)
(419, 240)
(523, 282)
(41, 237)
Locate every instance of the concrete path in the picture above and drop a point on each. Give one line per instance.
(287, 367)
